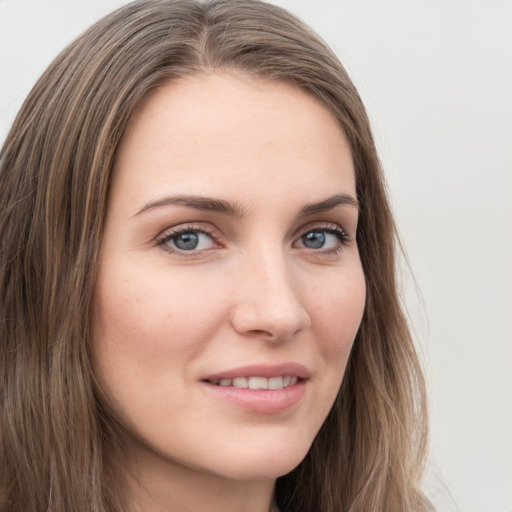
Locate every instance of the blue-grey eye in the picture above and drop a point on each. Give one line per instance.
(193, 240)
(322, 239)
(313, 239)
(186, 241)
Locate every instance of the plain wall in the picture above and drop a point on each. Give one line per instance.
(436, 77)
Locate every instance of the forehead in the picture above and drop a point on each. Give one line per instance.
(215, 130)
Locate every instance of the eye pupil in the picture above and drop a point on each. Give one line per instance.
(314, 239)
(186, 241)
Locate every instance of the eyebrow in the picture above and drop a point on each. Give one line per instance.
(328, 204)
(197, 203)
(235, 210)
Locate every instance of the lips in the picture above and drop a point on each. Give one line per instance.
(260, 388)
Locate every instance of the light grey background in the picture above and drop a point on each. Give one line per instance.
(436, 77)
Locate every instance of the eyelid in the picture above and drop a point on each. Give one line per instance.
(324, 226)
(343, 239)
(171, 232)
(217, 239)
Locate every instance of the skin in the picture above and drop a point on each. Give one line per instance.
(254, 291)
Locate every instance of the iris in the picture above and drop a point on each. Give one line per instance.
(314, 239)
(186, 241)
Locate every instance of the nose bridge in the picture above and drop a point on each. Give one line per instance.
(270, 303)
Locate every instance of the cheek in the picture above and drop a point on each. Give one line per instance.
(148, 307)
(145, 333)
(337, 315)
(339, 310)
(151, 325)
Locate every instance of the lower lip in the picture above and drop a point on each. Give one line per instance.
(263, 401)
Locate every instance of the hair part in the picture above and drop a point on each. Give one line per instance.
(59, 442)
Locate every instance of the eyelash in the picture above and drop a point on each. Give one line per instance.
(167, 236)
(341, 235)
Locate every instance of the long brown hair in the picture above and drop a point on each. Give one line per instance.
(57, 439)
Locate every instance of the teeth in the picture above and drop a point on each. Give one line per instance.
(240, 382)
(258, 382)
(275, 383)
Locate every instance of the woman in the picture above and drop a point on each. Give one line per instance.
(198, 292)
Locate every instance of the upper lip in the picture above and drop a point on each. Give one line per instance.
(262, 370)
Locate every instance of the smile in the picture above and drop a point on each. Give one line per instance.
(258, 382)
(261, 388)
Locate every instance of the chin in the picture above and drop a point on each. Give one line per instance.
(267, 461)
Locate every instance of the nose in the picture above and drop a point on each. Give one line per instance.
(269, 304)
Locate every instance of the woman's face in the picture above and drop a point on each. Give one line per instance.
(229, 264)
